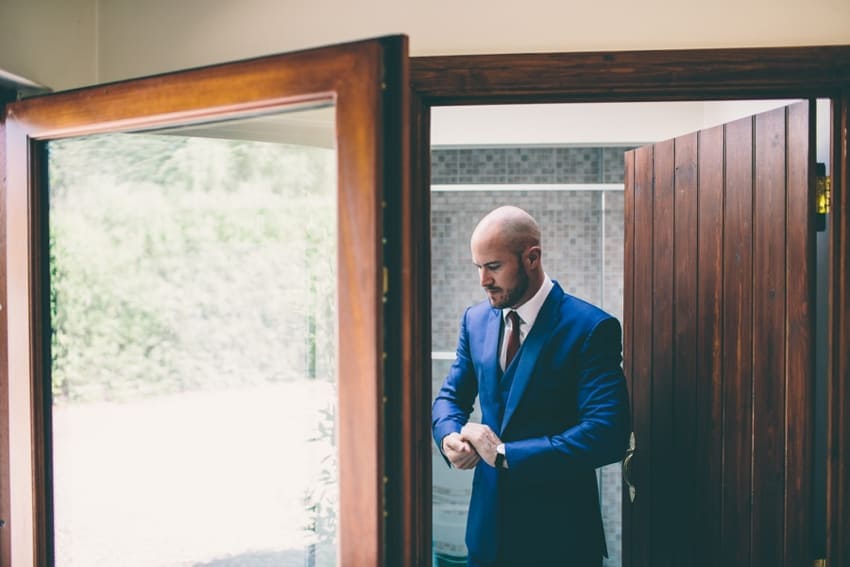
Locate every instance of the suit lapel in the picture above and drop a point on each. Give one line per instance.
(530, 351)
(489, 389)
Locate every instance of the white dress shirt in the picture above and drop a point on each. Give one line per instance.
(527, 312)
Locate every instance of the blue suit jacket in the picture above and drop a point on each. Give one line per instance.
(561, 408)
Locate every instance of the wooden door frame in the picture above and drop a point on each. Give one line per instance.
(630, 76)
(366, 81)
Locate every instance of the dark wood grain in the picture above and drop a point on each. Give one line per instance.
(409, 528)
(42, 414)
(838, 477)
(661, 75)
(724, 339)
(630, 75)
(642, 361)
(736, 539)
(403, 366)
(729, 448)
(207, 93)
(353, 77)
(417, 340)
(686, 264)
(708, 460)
(628, 328)
(665, 463)
(800, 372)
(768, 320)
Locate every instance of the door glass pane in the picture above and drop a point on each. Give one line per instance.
(193, 346)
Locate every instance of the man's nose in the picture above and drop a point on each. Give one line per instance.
(486, 278)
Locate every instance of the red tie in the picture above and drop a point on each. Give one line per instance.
(513, 338)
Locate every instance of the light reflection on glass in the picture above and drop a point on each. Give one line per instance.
(193, 372)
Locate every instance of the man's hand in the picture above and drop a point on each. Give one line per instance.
(459, 452)
(483, 440)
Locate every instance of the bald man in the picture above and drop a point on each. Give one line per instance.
(546, 369)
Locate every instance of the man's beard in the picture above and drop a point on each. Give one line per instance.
(513, 295)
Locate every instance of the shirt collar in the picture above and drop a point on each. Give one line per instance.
(529, 310)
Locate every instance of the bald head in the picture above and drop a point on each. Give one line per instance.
(506, 249)
(515, 228)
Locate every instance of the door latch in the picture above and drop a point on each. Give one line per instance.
(627, 468)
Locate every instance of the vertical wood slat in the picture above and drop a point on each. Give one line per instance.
(684, 403)
(403, 238)
(735, 540)
(838, 480)
(664, 466)
(416, 340)
(709, 342)
(41, 390)
(769, 338)
(799, 378)
(838, 435)
(642, 381)
(628, 328)
(728, 380)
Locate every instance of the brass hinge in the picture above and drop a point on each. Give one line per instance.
(819, 563)
(824, 194)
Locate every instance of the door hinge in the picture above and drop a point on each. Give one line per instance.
(819, 563)
(824, 194)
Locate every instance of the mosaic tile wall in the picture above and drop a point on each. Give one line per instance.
(582, 240)
(571, 231)
(531, 165)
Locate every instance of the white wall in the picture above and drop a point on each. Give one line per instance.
(138, 38)
(51, 42)
(72, 43)
(583, 123)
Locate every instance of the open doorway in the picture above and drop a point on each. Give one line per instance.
(563, 163)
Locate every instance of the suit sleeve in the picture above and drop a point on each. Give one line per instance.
(454, 402)
(600, 435)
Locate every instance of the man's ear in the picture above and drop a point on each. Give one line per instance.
(533, 255)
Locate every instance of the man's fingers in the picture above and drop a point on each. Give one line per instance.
(466, 461)
(453, 442)
(482, 438)
(457, 444)
(477, 432)
(460, 452)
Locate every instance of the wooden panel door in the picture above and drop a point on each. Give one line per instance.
(718, 343)
(367, 84)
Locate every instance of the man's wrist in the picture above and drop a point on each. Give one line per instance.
(501, 460)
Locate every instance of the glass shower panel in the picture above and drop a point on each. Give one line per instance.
(193, 347)
(582, 234)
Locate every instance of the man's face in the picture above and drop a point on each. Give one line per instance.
(501, 273)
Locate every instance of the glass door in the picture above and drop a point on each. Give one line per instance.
(198, 305)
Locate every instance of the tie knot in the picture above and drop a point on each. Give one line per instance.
(513, 317)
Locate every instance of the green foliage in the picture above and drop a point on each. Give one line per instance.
(186, 263)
